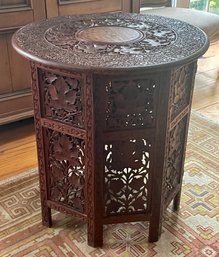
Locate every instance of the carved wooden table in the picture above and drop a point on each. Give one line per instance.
(112, 96)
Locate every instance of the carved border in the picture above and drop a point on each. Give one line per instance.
(89, 148)
(63, 128)
(46, 212)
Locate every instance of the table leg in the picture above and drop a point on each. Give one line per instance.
(95, 233)
(176, 201)
(46, 215)
(45, 210)
(155, 226)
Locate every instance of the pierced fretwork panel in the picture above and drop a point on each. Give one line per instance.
(63, 98)
(180, 89)
(66, 169)
(127, 165)
(131, 104)
(175, 157)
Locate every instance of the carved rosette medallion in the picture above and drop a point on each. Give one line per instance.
(127, 165)
(63, 98)
(110, 35)
(131, 103)
(66, 170)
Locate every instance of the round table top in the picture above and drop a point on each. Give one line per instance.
(113, 41)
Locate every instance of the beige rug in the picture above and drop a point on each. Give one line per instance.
(193, 232)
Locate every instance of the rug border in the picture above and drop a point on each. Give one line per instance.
(23, 175)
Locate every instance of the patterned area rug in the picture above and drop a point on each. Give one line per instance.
(193, 232)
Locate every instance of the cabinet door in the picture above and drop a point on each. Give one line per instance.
(5, 82)
(67, 7)
(16, 13)
(15, 94)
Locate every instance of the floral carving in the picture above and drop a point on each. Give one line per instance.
(67, 170)
(127, 165)
(175, 157)
(155, 36)
(130, 103)
(180, 90)
(62, 98)
(163, 41)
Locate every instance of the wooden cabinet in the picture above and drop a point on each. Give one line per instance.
(15, 93)
(66, 7)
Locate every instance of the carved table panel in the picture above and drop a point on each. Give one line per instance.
(112, 96)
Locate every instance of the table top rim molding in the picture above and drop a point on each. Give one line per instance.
(123, 42)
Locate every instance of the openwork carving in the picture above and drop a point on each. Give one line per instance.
(131, 103)
(152, 36)
(175, 157)
(127, 165)
(63, 98)
(180, 89)
(67, 169)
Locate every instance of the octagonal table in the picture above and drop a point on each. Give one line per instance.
(112, 97)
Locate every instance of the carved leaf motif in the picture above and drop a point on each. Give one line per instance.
(130, 103)
(61, 86)
(60, 146)
(56, 173)
(63, 150)
(75, 180)
(121, 157)
(136, 183)
(63, 98)
(51, 78)
(67, 169)
(116, 185)
(78, 204)
(114, 205)
(137, 203)
(52, 92)
(73, 83)
(55, 194)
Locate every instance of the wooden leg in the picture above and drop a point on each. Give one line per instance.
(95, 234)
(176, 201)
(46, 214)
(155, 227)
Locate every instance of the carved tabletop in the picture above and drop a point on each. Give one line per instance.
(110, 41)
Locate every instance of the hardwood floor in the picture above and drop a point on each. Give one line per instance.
(17, 148)
(17, 140)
